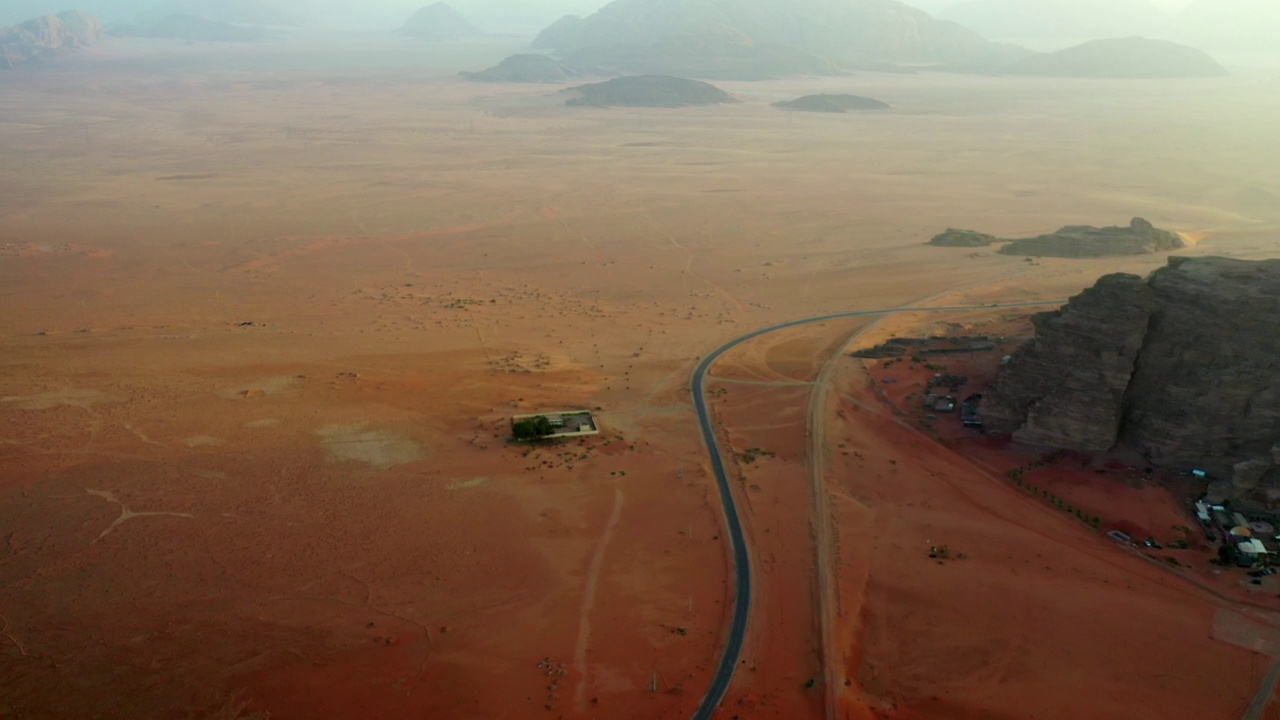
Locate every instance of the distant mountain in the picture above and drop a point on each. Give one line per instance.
(719, 54)
(235, 12)
(15, 11)
(191, 27)
(1122, 58)
(439, 23)
(831, 103)
(1073, 19)
(526, 68)
(1237, 25)
(648, 91)
(30, 40)
(842, 32)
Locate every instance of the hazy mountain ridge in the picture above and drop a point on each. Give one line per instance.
(234, 12)
(1133, 57)
(844, 32)
(191, 27)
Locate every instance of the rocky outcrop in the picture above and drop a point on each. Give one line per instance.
(648, 91)
(1074, 241)
(1079, 241)
(838, 103)
(32, 39)
(438, 23)
(1065, 389)
(526, 68)
(954, 237)
(1133, 57)
(1181, 368)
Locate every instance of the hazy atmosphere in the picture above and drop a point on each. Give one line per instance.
(704, 359)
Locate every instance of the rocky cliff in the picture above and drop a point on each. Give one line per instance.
(1181, 367)
(1066, 388)
(28, 41)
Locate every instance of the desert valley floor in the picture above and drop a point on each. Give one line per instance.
(268, 311)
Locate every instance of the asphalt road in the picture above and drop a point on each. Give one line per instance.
(723, 675)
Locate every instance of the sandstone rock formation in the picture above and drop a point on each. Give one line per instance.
(1073, 241)
(954, 237)
(1065, 389)
(1133, 57)
(526, 68)
(648, 91)
(1077, 241)
(838, 103)
(708, 33)
(32, 39)
(1181, 367)
(438, 23)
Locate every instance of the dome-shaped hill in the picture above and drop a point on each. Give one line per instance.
(526, 68)
(439, 23)
(1122, 58)
(648, 91)
(831, 103)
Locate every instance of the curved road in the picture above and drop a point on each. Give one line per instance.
(737, 539)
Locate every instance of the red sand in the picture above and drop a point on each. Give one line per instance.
(270, 313)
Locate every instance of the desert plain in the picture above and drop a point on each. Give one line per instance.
(269, 308)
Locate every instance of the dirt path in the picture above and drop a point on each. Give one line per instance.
(1265, 691)
(589, 601)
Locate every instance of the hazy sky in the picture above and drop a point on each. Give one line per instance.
(490, 14)
(370, 13)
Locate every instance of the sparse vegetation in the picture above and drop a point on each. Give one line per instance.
(750, 455)
(534, 428)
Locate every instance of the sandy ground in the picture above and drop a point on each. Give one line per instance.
(268, 310)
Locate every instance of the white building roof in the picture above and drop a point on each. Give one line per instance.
(1253, 547)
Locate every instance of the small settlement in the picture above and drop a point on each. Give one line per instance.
(1248, 541)
(550, 425)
